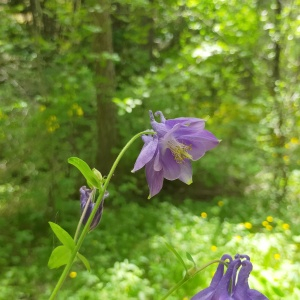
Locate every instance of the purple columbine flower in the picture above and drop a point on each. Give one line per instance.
(168, 153)
(232, 285)
(85, 194)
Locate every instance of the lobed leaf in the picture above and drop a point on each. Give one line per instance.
(172, 249)
(60, 256)
(63, 236)
(84, 261)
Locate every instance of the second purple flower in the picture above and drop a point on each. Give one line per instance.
(168, 153)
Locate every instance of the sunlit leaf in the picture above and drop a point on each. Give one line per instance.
(59, 257)
(63, 236)
(172, 249)
(190, 258)
(83, 167)
(84, 261)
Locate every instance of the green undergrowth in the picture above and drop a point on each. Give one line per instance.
(129, 258)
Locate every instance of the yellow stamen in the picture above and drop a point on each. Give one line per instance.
(179, 151)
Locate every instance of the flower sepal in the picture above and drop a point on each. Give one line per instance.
(233, 285)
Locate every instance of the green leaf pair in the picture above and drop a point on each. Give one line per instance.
(61, 255)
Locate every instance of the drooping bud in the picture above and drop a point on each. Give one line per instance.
(86, 198)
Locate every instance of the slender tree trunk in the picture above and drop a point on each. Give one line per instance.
(105, 85)
(280, 174)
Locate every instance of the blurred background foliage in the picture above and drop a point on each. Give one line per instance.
(77, 78)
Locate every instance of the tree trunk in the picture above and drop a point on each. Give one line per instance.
(280, 174)
(105, 86)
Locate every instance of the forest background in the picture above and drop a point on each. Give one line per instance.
(77, 78)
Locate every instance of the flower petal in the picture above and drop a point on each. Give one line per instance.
(221, 291)
(256, 295)
(157, 163)
(242, 290)
(186, 172)
(155, 179)
(220, 271)
(195, 123)
(147, 152)
(171, 169)
(97, 216)
(207, 293)
(209, 139)
(84, 195)
(200, 143)
(162, 117)
(160, 128)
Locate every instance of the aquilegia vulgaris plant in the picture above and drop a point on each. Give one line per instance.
(168, 151)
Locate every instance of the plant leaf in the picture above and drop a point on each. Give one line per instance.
(60, 256)
(172, 249)
(83, 167)
(63, 236)
(84, 261)
(190, 258)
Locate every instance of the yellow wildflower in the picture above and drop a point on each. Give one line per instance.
(248, 225)
(286, 226)
(269, 227)
(294, 140)
(73, 274)
(277, 256)
(75, 109)
(213, 248)
(42, 108)
(204, 215)
(79, 111)
(286, 158)
(52, 124)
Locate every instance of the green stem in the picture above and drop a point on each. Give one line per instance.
(92, 195)
(87, 225)
(189, 275)
(175, 287)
